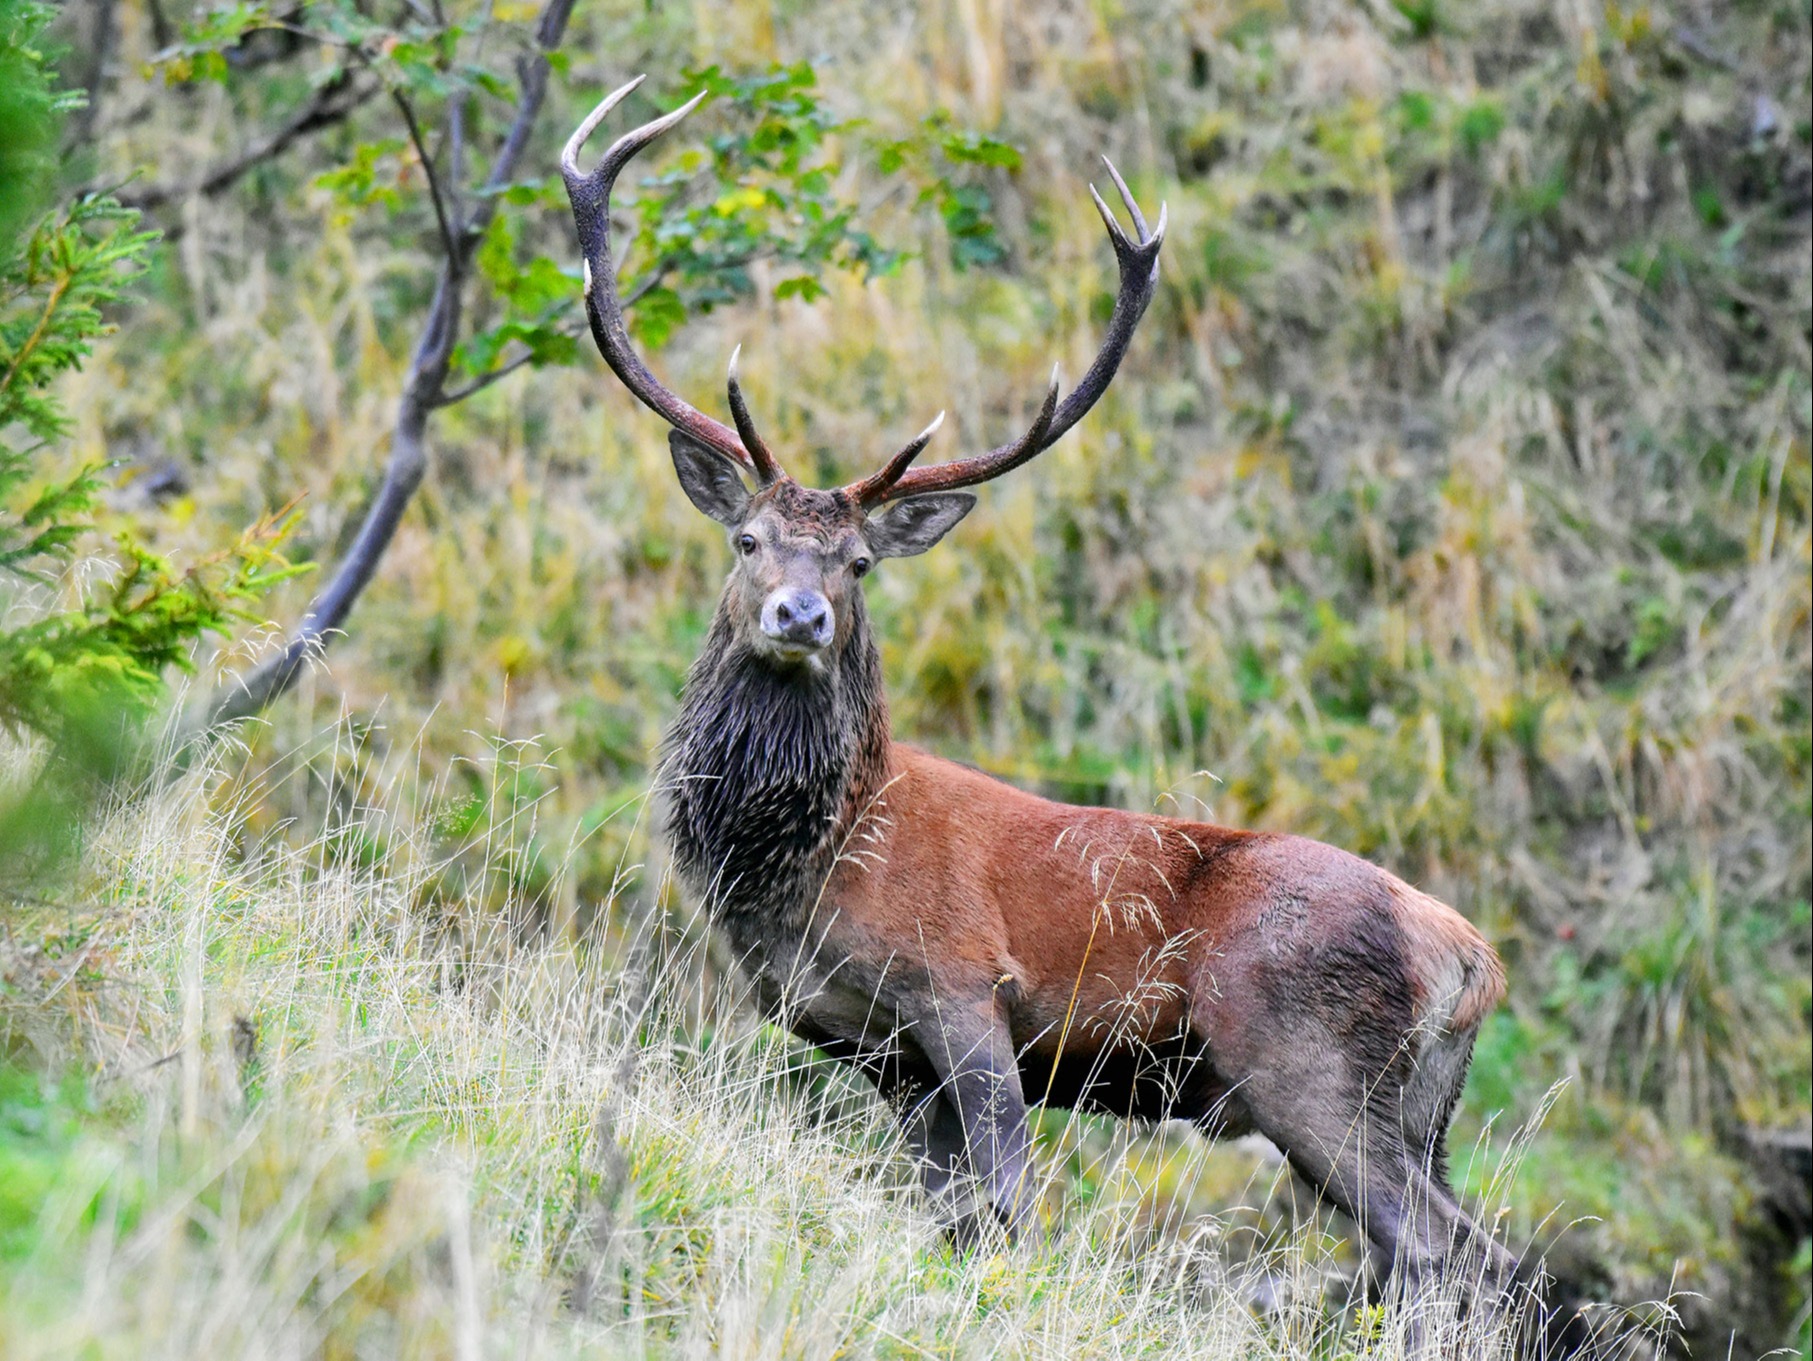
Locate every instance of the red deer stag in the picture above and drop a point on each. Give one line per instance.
(972, 947)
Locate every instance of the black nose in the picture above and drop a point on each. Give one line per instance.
(798, 617)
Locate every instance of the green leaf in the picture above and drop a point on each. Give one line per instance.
(370, 176)
(973, 148)
(1480, 125)
(657, 314)
(1416, 110)
(804, 287)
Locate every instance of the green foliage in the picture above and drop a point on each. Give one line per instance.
(770, 190)
(535, 295)
(372, 173)
(51, 295)
(766, 190)
(941, 149)
(84, 675)
(44, 1142)
(100, 668)
(29, 115)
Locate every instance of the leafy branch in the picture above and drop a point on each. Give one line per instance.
(425, 384)
(106, 654)
(769, 188)
(332, 102)
(88, 663)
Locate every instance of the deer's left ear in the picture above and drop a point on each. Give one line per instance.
(709, 479)
(914, 523)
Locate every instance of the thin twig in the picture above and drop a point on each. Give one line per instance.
(448, 240)
(1695, 45)
(485, 380)
(647, 284)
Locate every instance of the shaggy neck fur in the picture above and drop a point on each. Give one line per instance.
(767, 767)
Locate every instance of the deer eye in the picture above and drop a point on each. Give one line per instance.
(861, 567)
(747, 544)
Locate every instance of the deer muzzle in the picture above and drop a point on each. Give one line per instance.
(797, 620)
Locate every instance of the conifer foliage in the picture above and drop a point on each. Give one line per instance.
(84, 657)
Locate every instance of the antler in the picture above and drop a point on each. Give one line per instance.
(591, 197)
(1139, 274)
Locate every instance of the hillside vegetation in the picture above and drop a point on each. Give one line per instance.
(296, 1119)
(1454, 506)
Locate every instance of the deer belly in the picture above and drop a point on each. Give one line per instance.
(1159, 1080)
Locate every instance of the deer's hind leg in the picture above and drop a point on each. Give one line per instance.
(1369, 1149)
(1342, 1129)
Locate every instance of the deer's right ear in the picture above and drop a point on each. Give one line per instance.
(711, 481)
(913, 524)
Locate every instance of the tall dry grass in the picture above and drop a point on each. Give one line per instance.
(287, 1110)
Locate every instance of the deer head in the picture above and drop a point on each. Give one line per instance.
(801, 551)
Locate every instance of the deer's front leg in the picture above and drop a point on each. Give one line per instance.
(934, 1136)
(906, 1079)
(979, 1082)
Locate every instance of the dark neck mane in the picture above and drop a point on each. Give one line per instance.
(766, 769)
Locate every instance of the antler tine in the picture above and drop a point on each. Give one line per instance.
(1115, 233)
(1139, 218)
(873, 490)
(590, 196)
(767, 467)
(965, 472)
(1138, 264)
(569, 154)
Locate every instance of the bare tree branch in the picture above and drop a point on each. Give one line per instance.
(428, 171)
(485, 380)
(423, 388)
(456, 161)
(162, 34)
(329, 105)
